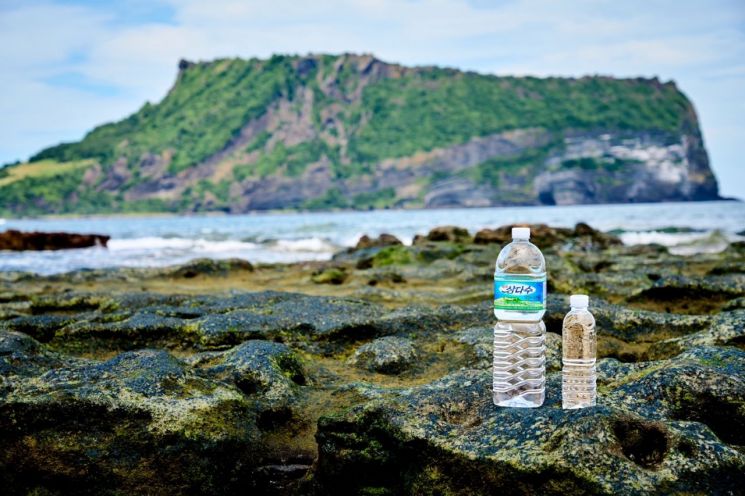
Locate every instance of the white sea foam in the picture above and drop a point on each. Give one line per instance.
(312, 245)
(657, 237)
(223, 246)
(148, 243)
(158, 243)
(680, 243)
(352, 240)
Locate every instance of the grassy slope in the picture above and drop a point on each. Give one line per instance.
(424, 109)
(39, 170)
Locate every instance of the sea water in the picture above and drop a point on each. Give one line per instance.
(146, 241)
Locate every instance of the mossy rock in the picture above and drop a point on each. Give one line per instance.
(210, 267)
(269, 369)
(386, 355)
(448, 436)
(331, 275)
(108, 426)
(392, 255)
(130, 388)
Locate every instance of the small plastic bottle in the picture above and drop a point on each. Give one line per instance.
(519, 335)
(578, 379)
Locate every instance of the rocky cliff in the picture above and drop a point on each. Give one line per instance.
(351, 131)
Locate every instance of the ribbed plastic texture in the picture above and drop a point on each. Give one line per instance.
(519, 364)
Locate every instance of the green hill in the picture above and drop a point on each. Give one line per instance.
(351, 131)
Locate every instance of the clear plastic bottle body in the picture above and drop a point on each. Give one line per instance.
(579, 348)
(519, 336)
(521, 262)
(519, 364)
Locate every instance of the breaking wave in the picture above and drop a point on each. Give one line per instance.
(159, 243)
(686, 242)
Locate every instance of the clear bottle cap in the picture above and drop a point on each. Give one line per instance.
(579, 301)
(520, 233)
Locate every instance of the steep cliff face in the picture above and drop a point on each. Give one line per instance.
(351, 131)
(628, 167)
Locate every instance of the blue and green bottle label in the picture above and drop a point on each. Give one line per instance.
(520, 293)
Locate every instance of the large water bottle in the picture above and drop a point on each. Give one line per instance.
(578, 378)
(519, 336)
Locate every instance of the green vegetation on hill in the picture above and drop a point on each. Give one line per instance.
(439, 107)
(207, 107)
(356, 121)
(422, 110)
(290, 160)
(335, 199)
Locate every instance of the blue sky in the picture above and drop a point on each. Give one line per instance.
(68, 65)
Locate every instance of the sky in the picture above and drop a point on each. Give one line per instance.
(69, 65)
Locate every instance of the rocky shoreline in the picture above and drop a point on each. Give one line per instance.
(370, 374)
(23, 241)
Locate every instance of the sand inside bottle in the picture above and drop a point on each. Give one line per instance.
(579, 352)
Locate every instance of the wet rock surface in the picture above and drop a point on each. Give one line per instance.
(386, 355)
(22, 241)
(89, 426)
(384, 239)
(449, 435)
(543, 236)
(445, 233)
(370, 374)
(209, 267)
